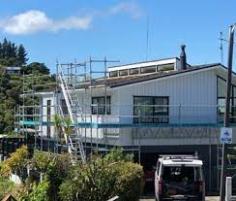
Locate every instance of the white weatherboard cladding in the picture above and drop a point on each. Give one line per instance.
(192, 94)
(44, 113)
(85, 103)
(189, 89)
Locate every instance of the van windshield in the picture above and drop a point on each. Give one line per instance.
(182, 174)
(182, 180)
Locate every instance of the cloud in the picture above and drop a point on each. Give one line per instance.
(130, 8)
(34, 21)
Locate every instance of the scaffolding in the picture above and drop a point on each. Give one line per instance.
(71, 78)
(76, 91)
(28, 115)
(83, 78)
(74, 79)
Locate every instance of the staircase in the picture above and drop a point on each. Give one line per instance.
(74, 140)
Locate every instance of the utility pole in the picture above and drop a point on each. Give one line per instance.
(227, 110)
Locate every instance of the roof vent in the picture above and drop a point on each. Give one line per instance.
(183, 62)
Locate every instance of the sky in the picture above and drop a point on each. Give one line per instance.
(124, 30)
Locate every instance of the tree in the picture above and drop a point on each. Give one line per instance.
(21, 55)
(9, 97)
(11, 85)
(37, 68)
(12, 50)
(5, 45)
(57, 122)
(9, 53)
(1, 55)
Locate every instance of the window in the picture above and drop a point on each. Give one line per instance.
(113, 74)
(221, 94)
(166, 67)
(149, 69)
(151, 109)
(134, 71)
(99, 106)
(123, 72)
(48, 118)
(181, 173)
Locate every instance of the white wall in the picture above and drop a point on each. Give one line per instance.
(198, 88)
(85, 103)
(45, 98)
(185, 91)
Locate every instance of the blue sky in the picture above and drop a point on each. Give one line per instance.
(76, 29)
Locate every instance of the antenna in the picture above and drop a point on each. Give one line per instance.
(221, 47)
(147, 38)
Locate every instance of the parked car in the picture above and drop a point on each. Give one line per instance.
(179, 177)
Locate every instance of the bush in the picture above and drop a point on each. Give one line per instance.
(16, 163)
(129, 181)
(53, 166)
(41, 161)
(92, 181)
(104, 178)
(38, 192)
(5, 170)
(18, 159)
(117, 155)
(6, 186)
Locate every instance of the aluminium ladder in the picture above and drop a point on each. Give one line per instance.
(74, 141)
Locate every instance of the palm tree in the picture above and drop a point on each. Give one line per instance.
(68, 126)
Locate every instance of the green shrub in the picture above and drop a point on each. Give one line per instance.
(104, 178)
(17, 163)
(5, 170)
(41, 160)
(129, 181)
(53, 166)
(6, 186)
(92, 181)
(18, 159)
(39, 192)
(117, 154)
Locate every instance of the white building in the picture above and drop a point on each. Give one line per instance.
(161, 106)
(12, 70)
(151, 98)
